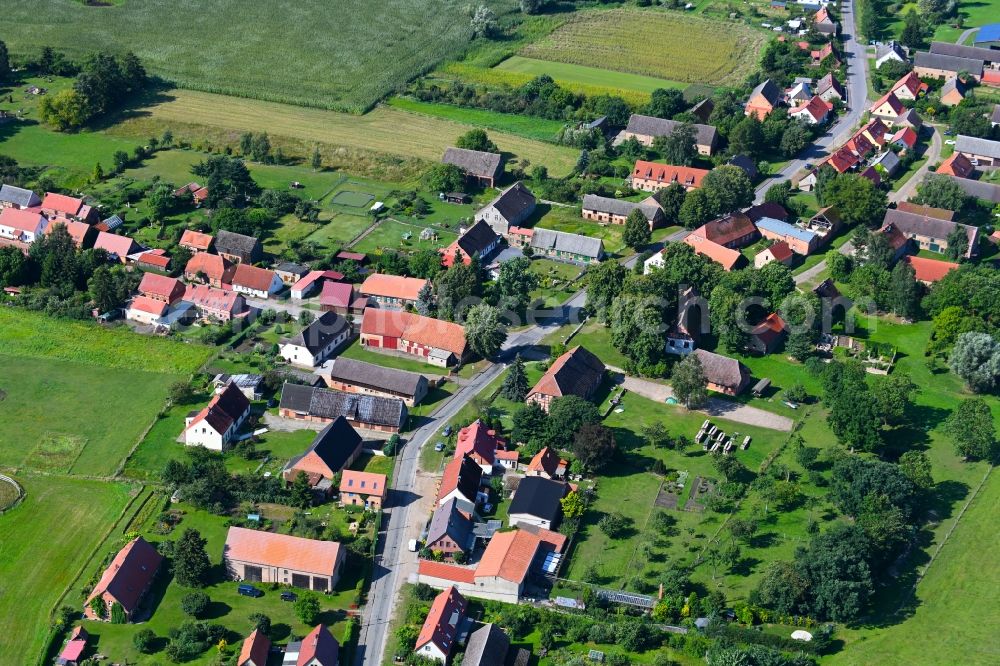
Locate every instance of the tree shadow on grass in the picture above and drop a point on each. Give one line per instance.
(745, 566)
(765, 540)
(215, 610)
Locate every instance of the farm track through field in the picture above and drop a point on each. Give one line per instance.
(384, 130)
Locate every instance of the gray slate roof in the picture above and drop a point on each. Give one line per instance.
(374, 376)
(289, 267)
(827, 82)
(978, 189)
(320, 332)
(948, 63)
(487, 646)
(975, 146)
(619, 207)
(560, 241)
(479, 237)
(474, 162)
(329, 404)
(512, 202)
(228, 242)
(914, 224)
(767, 90)
(971, 52)
(885, 49)
(335, 445)
(19, 196)
(539, 497)
(449, 521)
(706, 135)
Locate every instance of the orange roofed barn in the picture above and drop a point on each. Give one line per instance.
(577, 372)
(265, 557)
(126, 580)
(438, 342)
(393, 291)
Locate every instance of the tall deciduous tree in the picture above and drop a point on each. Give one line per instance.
(484, 330)
(971, 427)
(604, 284)
(976, 359)
(636, 234)
(688, 381)
(594, 446)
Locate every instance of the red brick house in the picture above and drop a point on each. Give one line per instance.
(734, 231)
(652, 176)
(480, 444)
(210, 268)
(126, 580)
(216, 304)
(196, 241)
(161, 288)
(762, 100)
(334, 448)
(60, 205)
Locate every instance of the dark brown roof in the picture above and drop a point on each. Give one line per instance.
(576, 372)
(328, 404)
(317, 335)
(227, 242)
(351, 371)
(474, 162)
(722, 370)
(727, 229)
(462, 474)
(129, 574)
(770, 209)
(335, 444)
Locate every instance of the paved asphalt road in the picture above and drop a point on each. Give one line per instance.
(392, 549)
(856, 58)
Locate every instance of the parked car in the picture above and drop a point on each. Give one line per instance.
(288, 596)
(447, 431)
(250, 591)
(439, 447)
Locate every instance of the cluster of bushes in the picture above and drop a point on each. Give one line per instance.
(204, 482)
(104, 82)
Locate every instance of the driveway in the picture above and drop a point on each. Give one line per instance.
(724, 409)
(932, 155)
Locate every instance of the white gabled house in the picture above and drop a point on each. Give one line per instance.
(317, 342)
(217, 424)
(256, 282)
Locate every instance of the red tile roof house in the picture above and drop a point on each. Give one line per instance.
(341, 298)
(311, 280)
(332, 449)
(255, 556)
(209, 268)
(813, 112)
(504, 568)
(126, 580)
(196, 241)
(22, 226)
(73, 650)
(256, 282)
(82, 233)
(889, 109)
(256, 647)
(440, 631)
(215, 304)
(481, 444)
(450, 530)
(767, 335)
(147, 311)
(548, 464)
(161, 288)
(318, 648)
(216, 424)
(723, 374)
(910, 87)
(461, 480)
(779, 252)
(577, 372)
(392, 291)
(364, 489)
(734, 231)
(60, 205)
(724, 256)
(957, 165)
(119, 248)
(153, 260)
(479, 240)
(437, 342)
(653, 176)
(929, 271)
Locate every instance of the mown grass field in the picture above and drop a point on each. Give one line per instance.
(384, 130)
(572, 75)
(539, 129)
(46, 541)
(665, 45)
(330, 53)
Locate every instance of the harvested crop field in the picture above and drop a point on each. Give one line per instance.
(336, 54)
(654, 43)
(571, 75)
(384, 130)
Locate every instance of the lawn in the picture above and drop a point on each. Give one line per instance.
(328, 53)
(344, 138)
(391, 234)
(595, 336)
(568, 219)
(556, 280)
(954, 615)
(47, 540)
(338, 230)
(56, 416)
(973, 13)
(570, 75)
(619, 40)
(356, 351)
(539, 129)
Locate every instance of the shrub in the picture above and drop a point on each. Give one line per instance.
(195, 604)
(143, 640)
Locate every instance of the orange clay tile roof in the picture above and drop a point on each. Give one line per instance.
(929, 270)
(720, 254)
(62, 203)
(196, 240)
(253, 277)
(425, 331)
(816, 107)
(668, 173)
(255, 649)
(212, 265)
(160, 285)
(912, 83)
(463, 475)
(894, 104)
(509, 555)
(957, 165)
(282, 551)
(546, 460)
(363, 483)
(150, 305)
(446, 572)
(781, 251)
(392, 286)
(443, 620)
(77, 230)
(23, 220)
